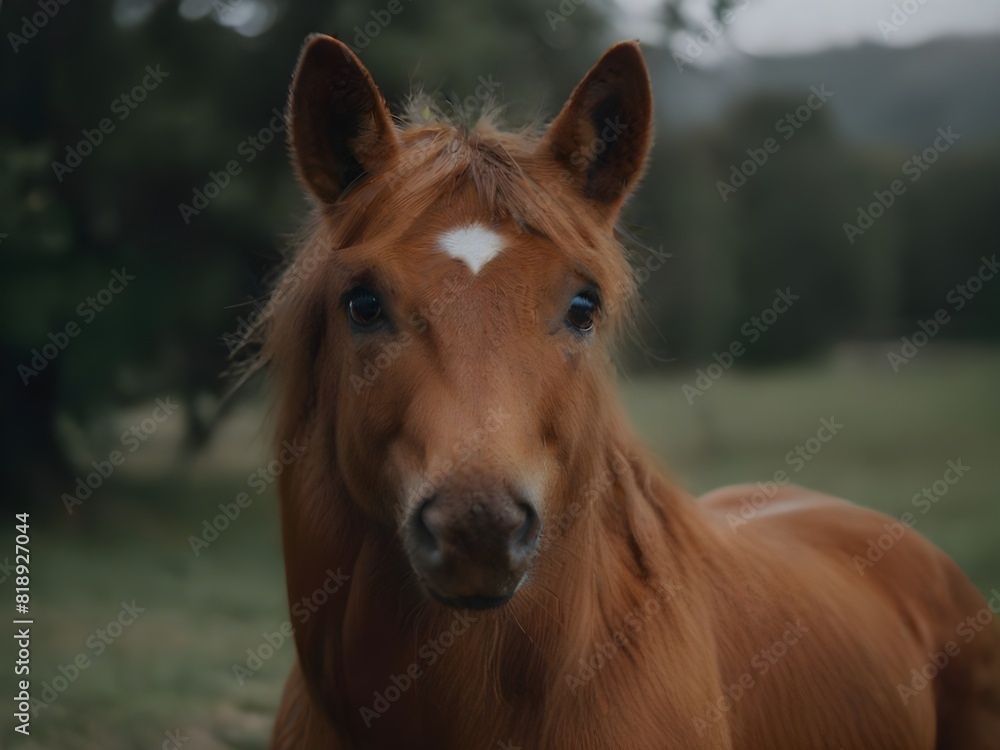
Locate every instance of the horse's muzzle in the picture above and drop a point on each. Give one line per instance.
(472, 547)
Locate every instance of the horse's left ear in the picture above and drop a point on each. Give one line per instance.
(340, 127)
(604, 132)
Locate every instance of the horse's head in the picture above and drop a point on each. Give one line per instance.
(449, 315)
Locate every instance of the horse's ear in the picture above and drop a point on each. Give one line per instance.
(340, 126)
(603, 134)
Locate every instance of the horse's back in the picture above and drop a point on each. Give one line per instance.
(917, 589)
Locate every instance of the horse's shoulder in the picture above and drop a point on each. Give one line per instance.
(767, 499)
(789, 519)
(795, 512)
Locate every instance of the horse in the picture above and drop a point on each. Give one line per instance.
(514, 569)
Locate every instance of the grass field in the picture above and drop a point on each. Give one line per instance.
(172, 669)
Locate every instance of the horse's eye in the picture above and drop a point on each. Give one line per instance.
(364, 307)
(581, 311)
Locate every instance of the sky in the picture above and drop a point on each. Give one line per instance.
(781, 27)
(758, 27)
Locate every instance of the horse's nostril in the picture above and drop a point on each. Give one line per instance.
(527, 533)
(421, 531)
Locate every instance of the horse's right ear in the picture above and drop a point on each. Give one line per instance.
(339, 124)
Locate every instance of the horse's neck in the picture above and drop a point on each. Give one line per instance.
(634, 539)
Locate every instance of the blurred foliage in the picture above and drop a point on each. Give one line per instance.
(227, 66)
(784, 228)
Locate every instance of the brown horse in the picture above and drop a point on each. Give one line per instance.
(520, 572)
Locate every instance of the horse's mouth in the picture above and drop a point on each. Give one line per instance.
(471, 602)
